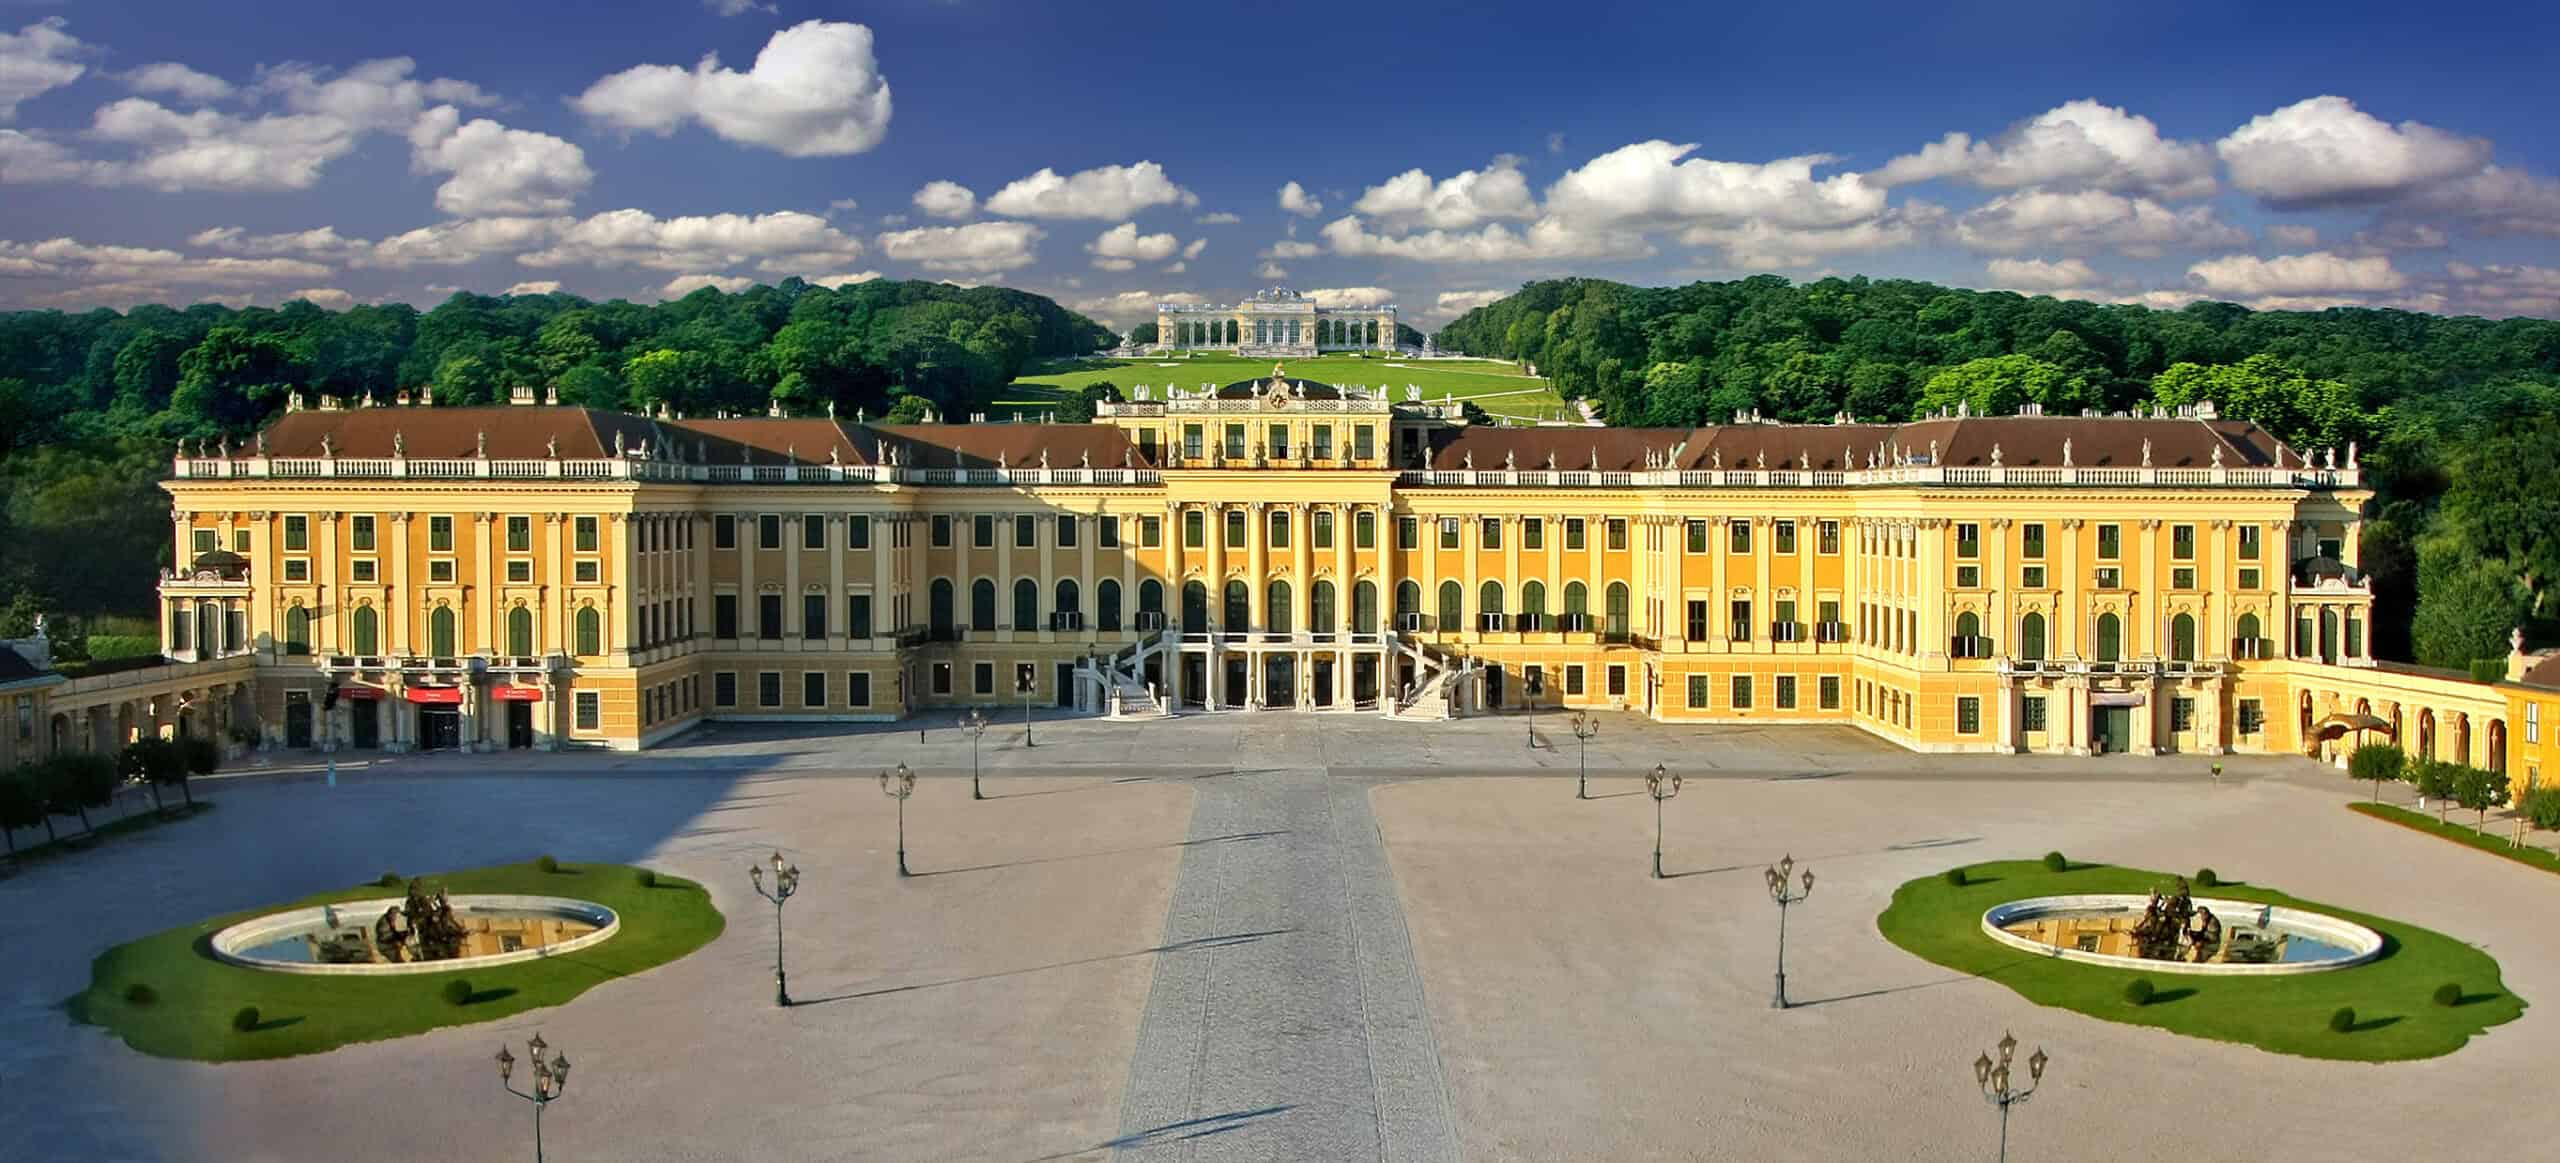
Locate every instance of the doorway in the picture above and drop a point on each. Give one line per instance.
(1280, 682)
(1195, 680)
(364, 724)
(1322, 670)
(1364, 679)
(2111, 730)
(1237, 682)
(519, 726)
(439, 728)
(1493, 686)
(297, 718)
(1066, 684)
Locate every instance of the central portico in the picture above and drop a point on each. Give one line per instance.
(1276, 322)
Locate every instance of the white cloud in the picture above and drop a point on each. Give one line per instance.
(737, 7)
(1341, 297)
(844, 279)
(178, 81)
(465, 240)
(496, 170)
(2035, 274)
(1130, 307)
(35, 60)
(784, 242)
(1106, 192)
(2092, 219)
(978, 248)
(24, 158)
(85, 273)
(2496, 201)
(2295, 236)
(1546, 239)
(1270, 270)
(1218, 218)
(2402, 235)
(1122, 247)
(946, 199)
(1295, 199)
(843, 206)
(329, 297)
(1648, 184)
(321, 243)
(815, 91)
(2325, 151)
(1291, 248)
(1176, 268)
(1452, 304)
(534, 287)
(2498, 290)
(1761, 243)
(2246, 276)
(1555, 143)
(683, 285)
(2078, 145)
(1455, 203)
(323, 118)
(1193, 250)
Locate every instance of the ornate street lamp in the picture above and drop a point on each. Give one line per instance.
(975, 723)
(898, 785)
(1781, 892)
(1997, 1087)
(1531, 687)
(786, 881)
(1585, 729)
(549, 1079)
(1661, 783)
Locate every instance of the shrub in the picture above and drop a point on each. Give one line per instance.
(2489, 669)
(2207, 878)
(138, 994)
(2343, 1020)
(457, 992)
(546, 863)
(2542, 806)
(647, 877)
(2054, 862)
(388, 879)
(2449, 994)
(245, 1020)
(2138, 991)
(1955, 876)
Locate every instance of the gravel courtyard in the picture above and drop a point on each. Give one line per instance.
(1273, 937)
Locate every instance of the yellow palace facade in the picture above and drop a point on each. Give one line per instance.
(532, 575)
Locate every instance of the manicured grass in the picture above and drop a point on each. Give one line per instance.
(2462, 834)
(2392, 995)
(1469, 379)
(197, 995)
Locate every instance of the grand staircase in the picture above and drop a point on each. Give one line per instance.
(1121, 678)
(1443, 686)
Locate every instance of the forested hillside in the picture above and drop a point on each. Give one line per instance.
(2458, 418)
(91, 404)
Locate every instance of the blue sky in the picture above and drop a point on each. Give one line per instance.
(1114, 155)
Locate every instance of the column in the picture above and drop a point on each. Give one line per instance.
(621, 612)
(1257, 542)
(1719, 627)
(2280, 536)
(1213, 540)
(1048, 537)
(2217, 595)
(2150, 640)
(1005, 613)
(1931, 591)
(791, 542)
(1997, 618)
(748, 605)
(1808, 608)
(2073, 605)
(555, 596)
(402, 606)
(884, 538)
(1470, 548)
(840, 543)
(1386, 580)
(1764, 606)
(1554, 553)
(331, 604)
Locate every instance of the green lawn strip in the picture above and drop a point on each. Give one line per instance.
(197, 995)
(2396, 1017)
(2462, 834)
(68, 843)
(1436, 378)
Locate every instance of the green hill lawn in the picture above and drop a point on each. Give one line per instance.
(1498, 387)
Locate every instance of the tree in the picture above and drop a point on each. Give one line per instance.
(76, 781)
(1997, 385)
(2479, 789)
(2501, 502)
(141, 760)
(2377, 764)
(590, 386)
(231, 381)
(909, 410)
(1143, 334)
(2270, 393)
(2466, 606)
(1081, 405)
(22, 804)
(2435, 781)
(198, 756)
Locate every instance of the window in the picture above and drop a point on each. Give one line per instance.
(2110, 541)
(1026, 531)
(1617, 681)
(439, 534)
(297, 631)
(1741, 699)
(1278, 441)
(1452, 606)
(586, 534)
(360, 533)
(2031, 577)
(1573, 533)
(769, 617)
(2031, 540)
(1364, 442)
(519, 534)
(1107, 531)
(2110, 577)
(1827, 689)
(857, 532)
(724, 531)
(1150, 532)
(1785, 532)
(982, 531)
(520, 632)
(1192, 446)
(2031, 713)
(590, 631)
(1408, 533)
(1026, 604)
(1968, 715)
(2031, 637)
(857, 688)
(1235, 442)
(2250, 578)
(1698, 684)
(519, 570)
(1968, 641)
(941, 532)
(1697, 536)
(1489, 532)
(1786, 692)
(982, 678)
(2110, 638)
(2182, 542)
(1697, 620)
(1324, 442)
(1738, 537)
(942, 678)
(813, 616)
(590, 710)
(1533, 533)
(208, 540)
(1235, 528)
(2252, 715)
(1785, 628)
(813, 530)
(1617, 533)
(1364, 530)
(724, 615)
(1573, 679)
(1827, 537)
(297, 533)
(813, 688)
(2533, 722)
(2182, 578)
(2247, 639)
(1448, 533)
(440, 641)
(239, 541)
(768, 688)
(2182, 714)
(1739, 623)
(1194, 525)
(1320, 532)
(367, 630)
(1968, 539)
(298, 569)
(857, 615)
(1276, 528)
(1968, 577)
(2249, 542)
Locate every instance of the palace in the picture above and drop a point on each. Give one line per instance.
(1276, 322)
(538, 576)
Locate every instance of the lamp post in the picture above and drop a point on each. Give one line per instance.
(1661, 783)
(549, 1079)
(1585, 729)
(1997, 1087)
(786, 881)
(1780, 892)
(975, 723)
(898, 785)
(1022, 681)
(1531, 688)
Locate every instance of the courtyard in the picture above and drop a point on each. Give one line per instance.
(1275, 936)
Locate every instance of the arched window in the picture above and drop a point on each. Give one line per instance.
(1968, 642)
(2328, 635)
(1238, 616)
(2426, 729)
(1026, 604)
(1320, 608)
(1276, 614)
(1106, 605)
(1364, 607)
(1617, 597)
(520, 632)
(590, 630)
(1453, 614)
(367, 627)
(942, 613)
(1070, 598)
(2182, 638)
(440, 632)
(1408, 600)
(2246, 637)
(1195, 608)
(1151, 596)
(1489, 598)
(982, 604)
(297, 631)
(1577, 599)
(2496, 760)
(2031, 637)
(2110, 638)
(2461, 737)
(1533, 599)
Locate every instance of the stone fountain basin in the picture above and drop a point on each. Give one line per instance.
(2362, 944)
(232, 943)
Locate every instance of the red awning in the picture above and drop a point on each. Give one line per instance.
(516, 694)
(367, 693)
(447, 695)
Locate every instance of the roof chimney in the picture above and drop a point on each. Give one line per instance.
(551, 396)
(403, 398)
(520, 395)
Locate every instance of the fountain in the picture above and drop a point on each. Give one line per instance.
(2173, 931)
(418, 933)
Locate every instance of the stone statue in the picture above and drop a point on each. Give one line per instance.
(480, 444)
(1717, 457)
(617, 442)
(1044, 457)
(1510, 461)
(2146, 452)
(1995, 454)
(399, 443)
(2217, 456)
(1468, 459)
(420, 928)
(2175, 928)
(551, 447)
(2066, 452)
(326, 450)
(262, 444)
